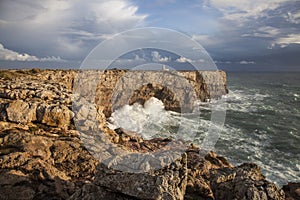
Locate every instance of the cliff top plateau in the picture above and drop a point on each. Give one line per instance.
(47, 150)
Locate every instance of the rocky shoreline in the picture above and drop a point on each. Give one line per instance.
(43, 156)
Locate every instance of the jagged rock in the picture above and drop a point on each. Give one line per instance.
(3, 113)
(199, 167)
(292, 191)
(21, 112)
(166, 183)
(14, 185)
(198, 188)
(93, 192)
(40, 166)
(57, 116)
(42, 156)
(243, 182)
(46, 95)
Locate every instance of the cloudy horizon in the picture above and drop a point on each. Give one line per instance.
(244, 35)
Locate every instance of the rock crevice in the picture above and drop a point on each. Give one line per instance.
(43, 156)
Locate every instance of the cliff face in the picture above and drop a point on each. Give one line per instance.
(177, 90)
(42, 155)
(42, 93)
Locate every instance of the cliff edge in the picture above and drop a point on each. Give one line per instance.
(42, 155)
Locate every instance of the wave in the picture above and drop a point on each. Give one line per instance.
(152, 120)
(252, 131)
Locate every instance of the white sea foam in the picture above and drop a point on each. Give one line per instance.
(152, 120)
(236, 100)
(238, 143)
(239, 100)
(147, 120)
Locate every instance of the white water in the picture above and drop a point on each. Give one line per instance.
(150, 120)
(244, 137)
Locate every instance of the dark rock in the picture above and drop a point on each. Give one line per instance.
(14, 185)
(199, 167)
(93, 192)
(292, 191)
(166, 183)
(42, 156)
(243, 182)
(3, 113)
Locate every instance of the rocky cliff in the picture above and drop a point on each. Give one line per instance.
(42, 155)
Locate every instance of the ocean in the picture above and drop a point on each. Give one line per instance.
(262, 123)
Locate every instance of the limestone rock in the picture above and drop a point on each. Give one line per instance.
(199, 166)
(166, 183)
(57, 116)
(243, 182)
(39, 166)
(93, 192)
(21, 112)
(42, 156)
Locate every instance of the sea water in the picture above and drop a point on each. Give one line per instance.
(261, 123)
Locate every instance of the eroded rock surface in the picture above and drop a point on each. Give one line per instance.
(42, 163)
(243, 182)
(43, 152)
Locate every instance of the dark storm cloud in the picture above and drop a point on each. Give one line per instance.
(265, 32)
(68, 29)
(249, 34)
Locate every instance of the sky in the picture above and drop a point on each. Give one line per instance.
(239, 35)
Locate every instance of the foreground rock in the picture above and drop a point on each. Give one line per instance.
(243, 182)
(42, 155)
(167, 183)
(292, 191)
(42, 164)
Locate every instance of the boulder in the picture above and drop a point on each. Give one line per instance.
(243, 182)
(56, 115)
(199, 165)
(21, 112)
(166, 183)
(42, 167)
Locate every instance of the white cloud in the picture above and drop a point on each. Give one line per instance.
(64, 28)
(156, 57)
(287, 40)
(9, 55)
(293, 18)
(138, 58)
(244, 62)
(85, 35)
(52, 58)
(6, 54)
(241, 10)
(183, 60)
(278, 38)
(116, 12)
(265, 31)
(222, 62)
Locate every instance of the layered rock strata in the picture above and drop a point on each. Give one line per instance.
(44, 156)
